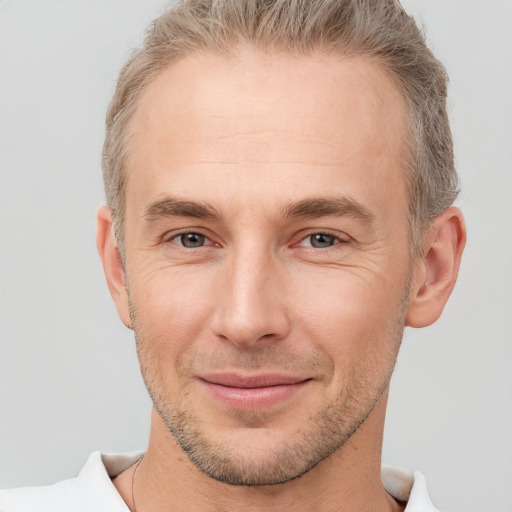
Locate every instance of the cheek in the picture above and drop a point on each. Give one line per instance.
(171, 308)
(352, 318)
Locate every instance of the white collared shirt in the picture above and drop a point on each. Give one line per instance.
(93, 491)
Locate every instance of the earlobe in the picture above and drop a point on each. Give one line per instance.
(112, 263)
(436, 272)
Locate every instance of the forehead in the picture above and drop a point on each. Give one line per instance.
(254, 115)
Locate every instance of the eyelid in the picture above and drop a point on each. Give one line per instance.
(171, 236)
(301, 237)
(342, 238)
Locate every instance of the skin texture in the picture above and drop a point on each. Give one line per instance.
(286, 174)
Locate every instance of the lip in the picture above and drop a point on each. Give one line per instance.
(253, 392)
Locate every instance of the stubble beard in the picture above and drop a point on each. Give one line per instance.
(326, 431)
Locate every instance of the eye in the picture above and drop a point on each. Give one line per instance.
(320, 240)
(190, 240)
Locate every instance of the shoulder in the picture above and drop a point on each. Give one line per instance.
(92, 489)
(408, 486)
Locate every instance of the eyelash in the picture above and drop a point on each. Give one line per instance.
(176, 236)
(338, 239)
(336, 236)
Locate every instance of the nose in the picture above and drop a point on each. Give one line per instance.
(251, 305)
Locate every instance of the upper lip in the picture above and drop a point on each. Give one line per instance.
(251, 381)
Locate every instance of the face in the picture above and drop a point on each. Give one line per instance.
(267, 255)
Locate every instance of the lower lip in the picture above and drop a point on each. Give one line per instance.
(248, 399)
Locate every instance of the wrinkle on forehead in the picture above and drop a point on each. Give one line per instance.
(256, 96)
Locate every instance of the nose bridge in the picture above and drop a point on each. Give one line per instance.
(250, 304)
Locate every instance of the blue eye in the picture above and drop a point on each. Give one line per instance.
(321, 240)
(190, 240)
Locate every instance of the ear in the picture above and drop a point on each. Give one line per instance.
(436, 271)
(112, 263)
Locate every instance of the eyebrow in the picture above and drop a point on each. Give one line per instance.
(330, 206)
(306, 208)
(173, 207)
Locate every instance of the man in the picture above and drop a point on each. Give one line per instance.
(279, 179)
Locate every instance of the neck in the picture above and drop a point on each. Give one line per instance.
(348, 480)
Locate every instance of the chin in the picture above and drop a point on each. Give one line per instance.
(258, 455)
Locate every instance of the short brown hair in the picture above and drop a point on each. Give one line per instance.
(377, 29)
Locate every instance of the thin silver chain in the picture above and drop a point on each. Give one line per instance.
(133, 483)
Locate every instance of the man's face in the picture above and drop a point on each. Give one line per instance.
(267, 255)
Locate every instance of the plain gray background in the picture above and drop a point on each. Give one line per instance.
(70, 382)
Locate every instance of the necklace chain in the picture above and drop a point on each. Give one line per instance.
(133, 483)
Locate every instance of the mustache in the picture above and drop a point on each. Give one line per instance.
(268, 358)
